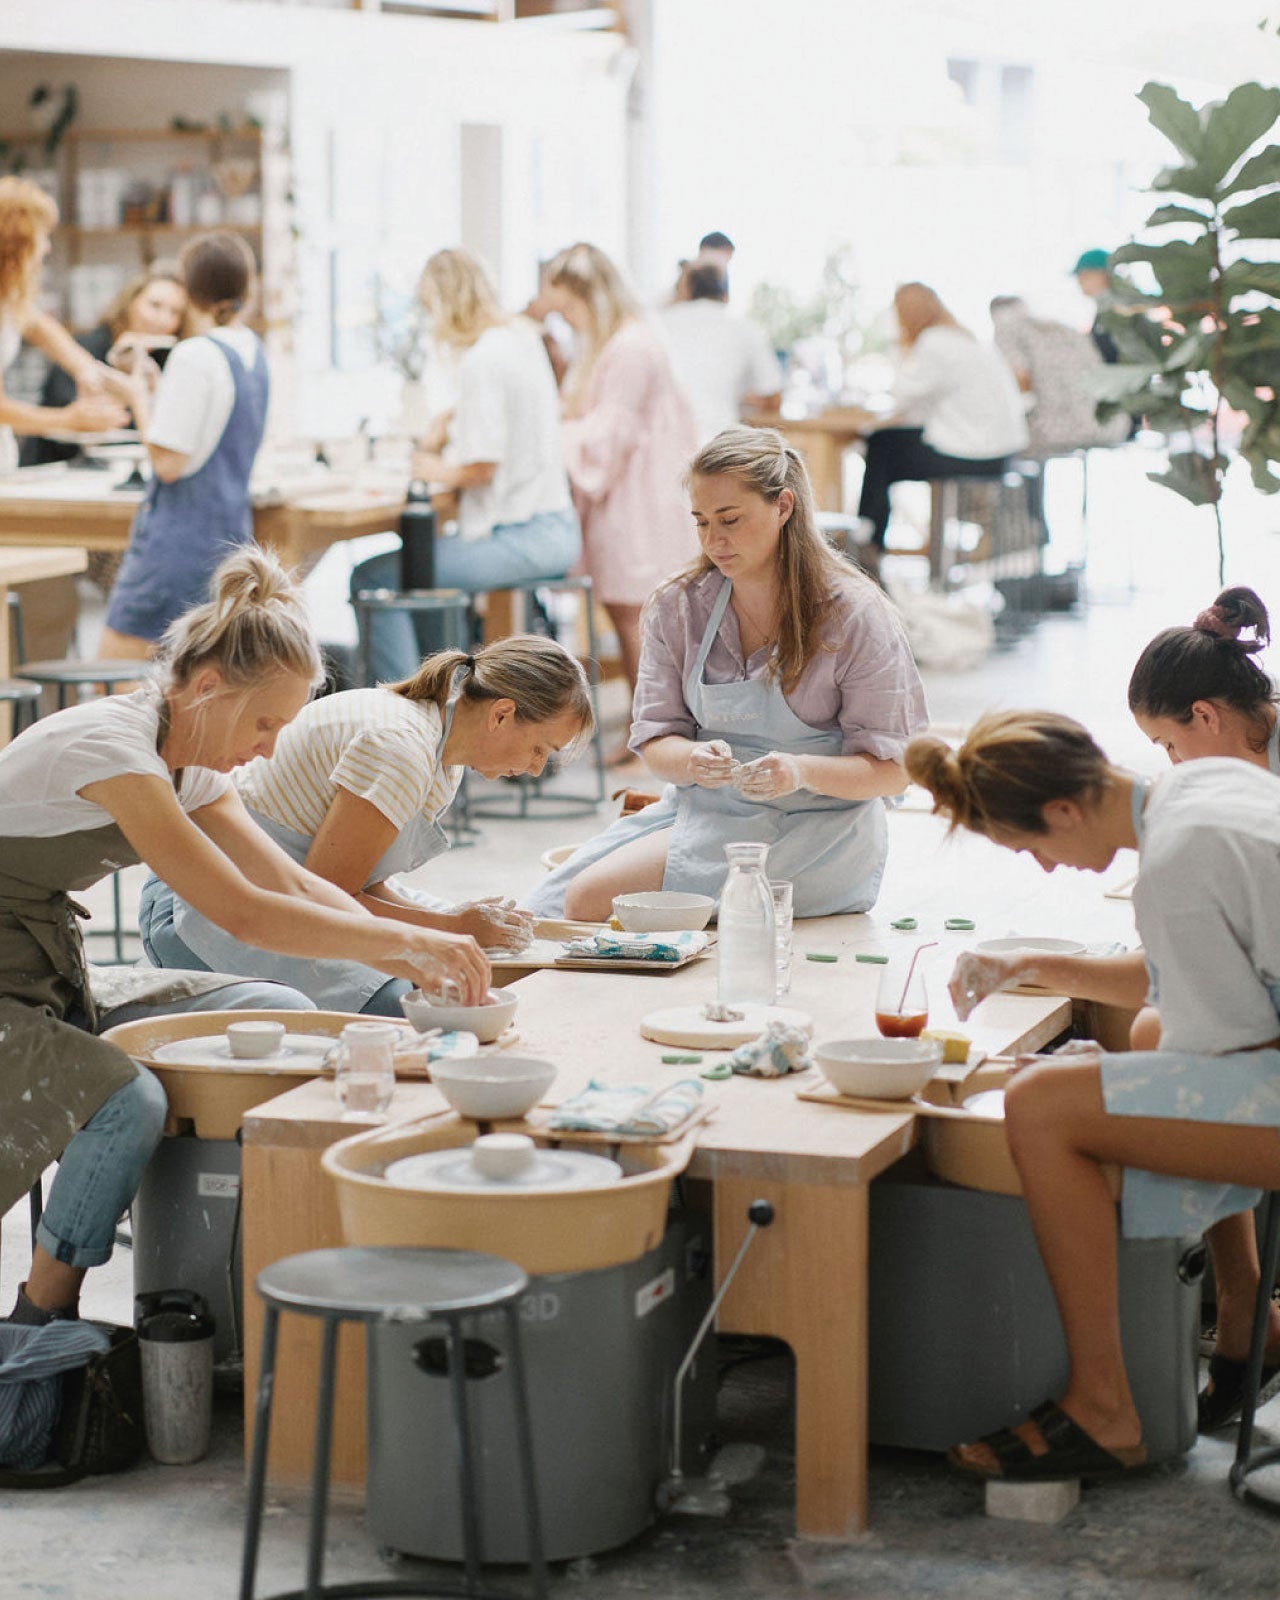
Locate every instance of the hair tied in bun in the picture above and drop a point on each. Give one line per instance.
(1214, 620)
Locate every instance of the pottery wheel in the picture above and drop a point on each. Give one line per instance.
(688, 1026)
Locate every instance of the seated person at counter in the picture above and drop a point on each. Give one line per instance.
(1195, 692)
(143, 777)
(776, 695)
(499, 450)
(27, 220)
(1188, 1122)
(957, 412)
(1052, 365)
(151, 305)
(202, 430)
(723, 360)
(355, 790)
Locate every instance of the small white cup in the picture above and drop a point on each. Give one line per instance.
(503, 1156)
(250, 1041)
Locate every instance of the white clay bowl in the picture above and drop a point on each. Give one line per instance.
(490, 1088)
(879, 1069)
(488, 1022)
(663, 911)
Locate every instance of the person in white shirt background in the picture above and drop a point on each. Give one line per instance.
(723, 360)
(958, 411)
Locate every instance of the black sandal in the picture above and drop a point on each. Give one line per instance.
(1070, 1452)
(1220, 1401)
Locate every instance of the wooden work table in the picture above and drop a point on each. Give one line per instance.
(822, 440)
(805, 1279)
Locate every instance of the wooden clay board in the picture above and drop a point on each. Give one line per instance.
(688, 1026)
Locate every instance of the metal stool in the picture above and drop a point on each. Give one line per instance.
(527, 791)
(24, 696)
(390, 1285)
(1247, 1459)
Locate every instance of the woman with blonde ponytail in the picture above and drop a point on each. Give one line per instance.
(144, 777)
(355, 791)
(776, 695)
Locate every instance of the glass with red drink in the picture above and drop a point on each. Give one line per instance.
(902, 1004)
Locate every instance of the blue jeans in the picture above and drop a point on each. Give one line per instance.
(544, 547)
(101, 1167)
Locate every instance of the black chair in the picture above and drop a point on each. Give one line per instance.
(380, 1286)
(24, 697)
(1248, 1460)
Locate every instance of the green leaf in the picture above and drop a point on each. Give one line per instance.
(1193, 476)
(1246, 277)
(1257, 172)
(1182, 268)
(1174, 117)
(1163, 215)
(1191, 353)
(1264, 480)
(1234, 126)
(1194, 182)
(1255, 219)
(1121, 381)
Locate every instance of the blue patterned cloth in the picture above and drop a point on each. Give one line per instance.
(32, 1361)
(632, 1109)
(637, 946)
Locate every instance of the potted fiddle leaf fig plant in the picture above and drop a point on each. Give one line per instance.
(1200, 339)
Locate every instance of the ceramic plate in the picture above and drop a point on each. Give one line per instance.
(1018, 944)
(212, 1050)
(549, 1169)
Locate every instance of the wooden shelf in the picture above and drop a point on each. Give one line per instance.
(134, 229)
(146, 135)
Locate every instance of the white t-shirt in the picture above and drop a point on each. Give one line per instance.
(196, 393)
(1206, 904)
(43, 769)
(507, 411)
(963, 394)
(719, 358)
(371, 742)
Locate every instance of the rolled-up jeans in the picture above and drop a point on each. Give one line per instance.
(102, 1166)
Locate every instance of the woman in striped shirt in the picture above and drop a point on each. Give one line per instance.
(355, 789)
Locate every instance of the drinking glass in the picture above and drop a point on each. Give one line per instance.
(365, 1071)
(902, 1004)
(782, 920)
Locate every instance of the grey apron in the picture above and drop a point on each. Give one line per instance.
(832, 850)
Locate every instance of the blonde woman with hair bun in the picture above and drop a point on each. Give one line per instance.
(628, 434)
(776, 695)
(145, 777)
(498, 448)
(1194, 1122)
(356, 790)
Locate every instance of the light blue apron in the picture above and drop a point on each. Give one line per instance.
(1273, 748)
(832, 850)
(333, 985)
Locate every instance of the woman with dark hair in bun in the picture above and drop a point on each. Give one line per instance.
(1195, 1124)
(202, 429)
(144, 777)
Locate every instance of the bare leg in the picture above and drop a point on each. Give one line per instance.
(630, 869)
(1062, 1138)
(51, 1285)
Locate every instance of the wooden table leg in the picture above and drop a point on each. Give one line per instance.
(804, 1280)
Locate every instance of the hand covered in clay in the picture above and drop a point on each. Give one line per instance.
(768, 778)
(495, 923)
(974, 977)
(712, 765)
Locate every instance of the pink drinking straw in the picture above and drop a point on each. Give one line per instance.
(910, 971)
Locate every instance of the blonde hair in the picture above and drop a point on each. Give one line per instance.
(164, 270)
(810, 572)
(543, 679)
(26, 212)
(460, 296)
(1010, 766)
(255, 626)
(918, 307)
(584, 271)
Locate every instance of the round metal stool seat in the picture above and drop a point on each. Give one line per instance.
(68, 675)
(1249, 1461)
(391, 1285)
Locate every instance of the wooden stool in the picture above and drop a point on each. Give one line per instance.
(1248, 1460)
(381, 1286)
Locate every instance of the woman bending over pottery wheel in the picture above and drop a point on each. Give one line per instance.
(143, 776)
(355, 790)
(776, 695)
(1195, 692)
(1195, 1124)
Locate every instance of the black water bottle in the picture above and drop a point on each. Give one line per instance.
(418, 539)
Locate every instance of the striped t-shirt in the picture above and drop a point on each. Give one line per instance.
(371, 742)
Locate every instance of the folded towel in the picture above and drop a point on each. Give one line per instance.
(414, 1048)
(780, 1049)
(638, 946)
(633, 1108)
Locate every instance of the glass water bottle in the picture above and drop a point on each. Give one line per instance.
(746, 942)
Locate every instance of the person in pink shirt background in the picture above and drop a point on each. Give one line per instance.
(629, 432)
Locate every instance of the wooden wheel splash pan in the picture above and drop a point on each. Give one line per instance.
(573, 1230)
(215, 1099)
(969, 1148)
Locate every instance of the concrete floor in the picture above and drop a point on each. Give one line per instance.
(1172, 1533)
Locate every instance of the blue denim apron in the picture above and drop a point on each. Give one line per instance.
(184, 529)
(832, 850)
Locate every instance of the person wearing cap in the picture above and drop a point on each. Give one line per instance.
(1093, 274)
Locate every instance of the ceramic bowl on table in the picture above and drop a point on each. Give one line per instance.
(488, 1022)
(879, 1069)
(490, 1088)
(663, 911)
